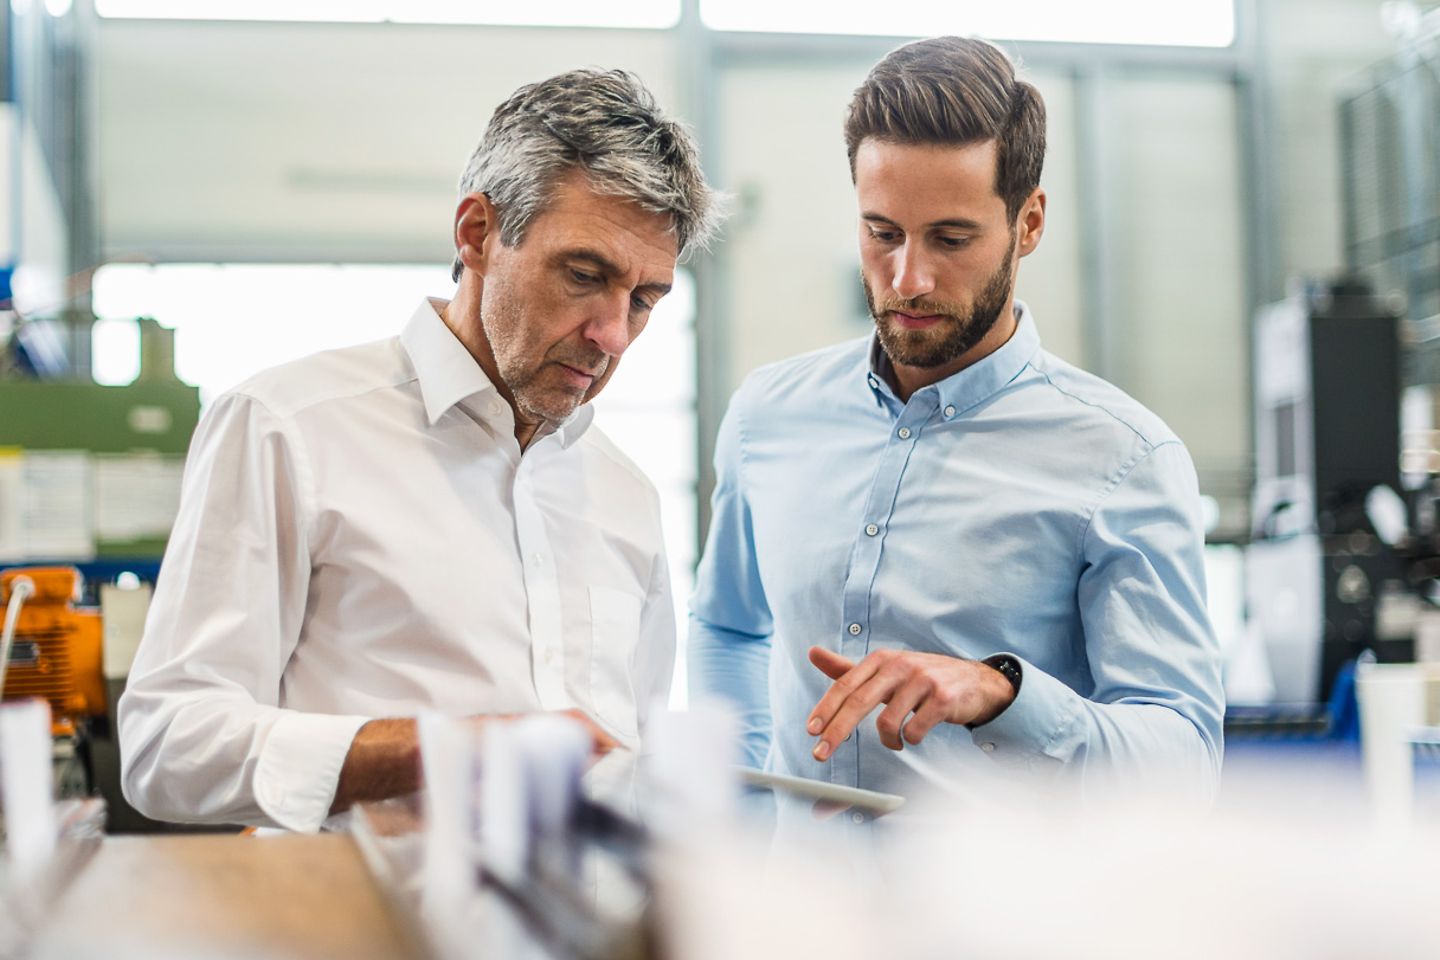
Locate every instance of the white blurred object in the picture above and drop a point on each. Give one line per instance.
(689, 777)
(1427, 636)
(1290, 878)
(1247, 677)
(26, 787)
(1392, 705)
(1387, 514)
(1283, 587)
(122, 615)
(448, 756)
(553, 753)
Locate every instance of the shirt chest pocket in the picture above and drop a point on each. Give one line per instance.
(614, 634)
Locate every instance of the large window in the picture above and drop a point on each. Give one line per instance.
(233, 320)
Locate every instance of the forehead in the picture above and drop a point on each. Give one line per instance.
(633, 238)
(925, 182)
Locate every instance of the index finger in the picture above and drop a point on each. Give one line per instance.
(835, 697)
(829, 662)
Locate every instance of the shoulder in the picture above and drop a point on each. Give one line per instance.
(808, 377)
(291, 388)
(1098, 403)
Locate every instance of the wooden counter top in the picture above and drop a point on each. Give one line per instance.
(225, 897)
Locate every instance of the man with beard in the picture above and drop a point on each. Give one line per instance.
(431, 522)
(941, 552)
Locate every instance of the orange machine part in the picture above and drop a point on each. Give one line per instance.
(56, 654)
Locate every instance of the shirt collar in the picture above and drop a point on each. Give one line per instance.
(977, 382)
(448, 374)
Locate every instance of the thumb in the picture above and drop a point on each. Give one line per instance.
(830, 663)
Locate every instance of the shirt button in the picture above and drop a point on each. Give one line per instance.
(871, 529)
(538, 560)
(988, 747)
(857, 818)
(949, 411)
(904, 433)
(873, 381)
(855, 629)
(549, 657)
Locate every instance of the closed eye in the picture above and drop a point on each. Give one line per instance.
(584, 277)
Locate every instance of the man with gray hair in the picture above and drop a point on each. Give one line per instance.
(431, 521)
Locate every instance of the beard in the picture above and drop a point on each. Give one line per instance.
(538, 398)
(957, 331)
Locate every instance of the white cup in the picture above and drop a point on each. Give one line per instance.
(1392, 706)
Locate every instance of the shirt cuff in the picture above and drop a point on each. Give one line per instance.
(299, 767)
(1038, 728)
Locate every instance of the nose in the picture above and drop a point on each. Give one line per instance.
(913, 276)
(609, 327)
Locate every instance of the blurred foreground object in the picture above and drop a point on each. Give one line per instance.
(46, 844)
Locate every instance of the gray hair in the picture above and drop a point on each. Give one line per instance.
(605, 123)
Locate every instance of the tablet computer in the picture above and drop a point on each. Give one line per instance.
(870, 801)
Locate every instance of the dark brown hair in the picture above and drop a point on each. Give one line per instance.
(954, 91)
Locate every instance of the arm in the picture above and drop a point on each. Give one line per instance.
(730, 622)
(1156, 713)
(1157, 709)
(384, 759)
(202, 735)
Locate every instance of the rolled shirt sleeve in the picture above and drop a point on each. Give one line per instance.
(203, 737)
(1157, 709)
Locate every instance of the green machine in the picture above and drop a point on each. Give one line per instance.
(90, 472)
(134, 436)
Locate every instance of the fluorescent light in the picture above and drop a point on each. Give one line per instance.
(57, 8)
(548, 13)
(541, 13)
(1196, 23)
(347, 11)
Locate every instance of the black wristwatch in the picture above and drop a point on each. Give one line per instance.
(1009, 668)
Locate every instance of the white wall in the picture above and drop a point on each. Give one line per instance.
(1180, 257)
(1318, 51)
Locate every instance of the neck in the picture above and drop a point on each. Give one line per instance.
(907, 379)
(462, 316)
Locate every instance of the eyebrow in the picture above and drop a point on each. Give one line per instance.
(610, 269)
(959, 223)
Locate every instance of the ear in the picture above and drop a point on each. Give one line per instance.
(1031, 223)
(477, 231)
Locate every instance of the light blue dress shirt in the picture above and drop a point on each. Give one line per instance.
(1019, 506)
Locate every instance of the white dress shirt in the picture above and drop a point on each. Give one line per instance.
(359, 536)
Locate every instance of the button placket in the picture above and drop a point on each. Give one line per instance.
(542, 594)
